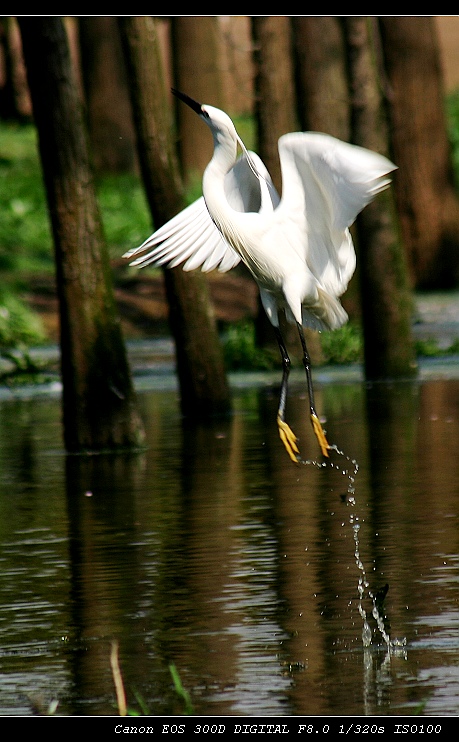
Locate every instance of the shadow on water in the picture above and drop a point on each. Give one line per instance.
(212, 551)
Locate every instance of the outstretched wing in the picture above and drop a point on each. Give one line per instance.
(325, 184)
(192, 238)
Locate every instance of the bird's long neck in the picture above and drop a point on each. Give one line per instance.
(223, 159)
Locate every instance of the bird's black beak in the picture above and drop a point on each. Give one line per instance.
(189, 101)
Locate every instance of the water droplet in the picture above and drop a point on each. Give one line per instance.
(366, 634)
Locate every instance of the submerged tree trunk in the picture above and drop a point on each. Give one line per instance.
(385, 294)
(426, 197)
(98, 398)
(200, 364)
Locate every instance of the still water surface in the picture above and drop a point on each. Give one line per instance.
(212, 551)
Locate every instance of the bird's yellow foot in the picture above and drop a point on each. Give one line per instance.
(320, 435)
(289, 439)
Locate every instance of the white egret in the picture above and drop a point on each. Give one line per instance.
(297, 246)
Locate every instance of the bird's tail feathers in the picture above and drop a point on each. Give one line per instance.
(326, 314)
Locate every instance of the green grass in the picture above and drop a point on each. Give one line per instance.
(20, 328)
(18, 325)
(431, 349)
(26, 246)
(241, 352)
(25, 239)
(25, 235)
(339, 347)
(342, 346)
(125, 213)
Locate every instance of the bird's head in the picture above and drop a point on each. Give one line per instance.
(223, 131)
(218, 121)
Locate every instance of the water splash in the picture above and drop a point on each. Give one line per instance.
(349, 471)
(392, 645)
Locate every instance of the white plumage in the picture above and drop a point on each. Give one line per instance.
(297, 246)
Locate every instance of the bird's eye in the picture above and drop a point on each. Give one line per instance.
(205, 114)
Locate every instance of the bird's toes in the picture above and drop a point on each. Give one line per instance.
(289, 439)
(320, 435)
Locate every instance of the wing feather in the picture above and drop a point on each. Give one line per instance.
(344, 175)
(190, 237)
(325, 184)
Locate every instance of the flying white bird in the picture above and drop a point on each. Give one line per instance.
(297, 246)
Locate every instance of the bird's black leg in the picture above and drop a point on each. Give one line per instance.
(286, 434)
(318, 430)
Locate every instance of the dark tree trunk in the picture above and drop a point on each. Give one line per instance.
(426, 197)
(323, 98)
(385, 294)
(200, 365)
(107, 97)
(275, 104)
(14, 92)
(196, 59)
(98, 399)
